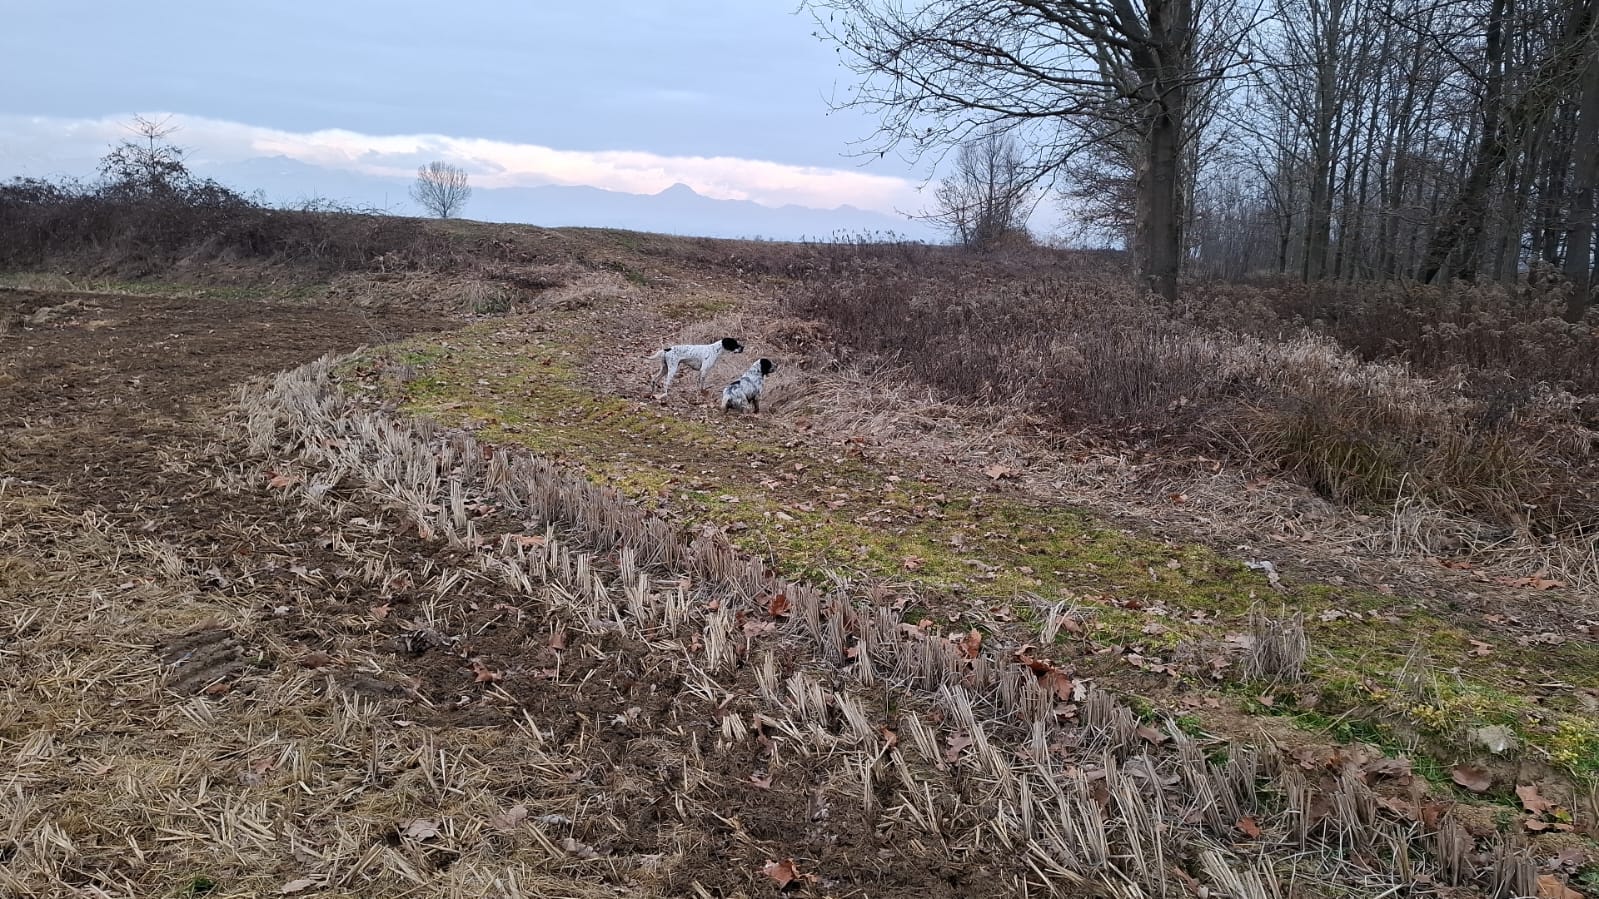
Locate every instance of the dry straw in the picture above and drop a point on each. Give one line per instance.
(1113, 818)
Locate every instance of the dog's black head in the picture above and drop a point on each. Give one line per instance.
(731, 345)
(767, 366)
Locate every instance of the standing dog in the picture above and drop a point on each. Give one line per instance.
(698, 356)
(745, 393)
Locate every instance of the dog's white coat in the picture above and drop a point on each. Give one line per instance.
(701, 357)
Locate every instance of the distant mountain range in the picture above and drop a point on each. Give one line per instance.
(676, 210)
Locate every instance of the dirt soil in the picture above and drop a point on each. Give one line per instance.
(277, 722)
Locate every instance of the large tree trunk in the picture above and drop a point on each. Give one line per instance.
(1161, 60)
(1584, 183)
(1160, 214)
(1453, 248)
(1324, 137)
(1553, 162)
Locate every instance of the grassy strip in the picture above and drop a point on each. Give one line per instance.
(816, 508)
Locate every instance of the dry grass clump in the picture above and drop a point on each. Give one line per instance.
(1515, 330)
(1280, 647)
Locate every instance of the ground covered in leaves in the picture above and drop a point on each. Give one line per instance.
(228, 672)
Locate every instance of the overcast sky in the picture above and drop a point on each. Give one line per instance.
(728, 97)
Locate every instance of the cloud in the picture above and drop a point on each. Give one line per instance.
(35, 143)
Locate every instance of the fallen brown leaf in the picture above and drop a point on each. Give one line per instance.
(785, 873)
(958, 741)
(1248, 826)
(1552, 887)
(1151, 735)
(420, 829)
(483, 674)
(1473, 777)
(1400, 806)
(1024, 657)
(1390, 767)
(972, 644)
(1059, 684)
(509, 819)
(1532, 800)
(577, 849)
(317, 659)
(753, 628)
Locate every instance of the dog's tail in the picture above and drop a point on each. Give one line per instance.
(656, 355)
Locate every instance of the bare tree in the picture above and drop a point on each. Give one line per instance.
(985, 199)
(147, 166)
(441, 189)
(941, 71)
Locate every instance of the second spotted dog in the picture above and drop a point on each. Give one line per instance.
(745, 393)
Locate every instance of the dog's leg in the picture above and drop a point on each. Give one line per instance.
(671, 374)
(755, 405)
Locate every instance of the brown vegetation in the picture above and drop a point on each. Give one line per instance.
(1478, 400)
(448, 645)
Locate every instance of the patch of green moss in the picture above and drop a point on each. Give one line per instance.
(1574, 745)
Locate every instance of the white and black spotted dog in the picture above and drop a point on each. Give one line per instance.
(699, 356)
(745, 393)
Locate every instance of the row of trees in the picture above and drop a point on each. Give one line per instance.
(1330, 139)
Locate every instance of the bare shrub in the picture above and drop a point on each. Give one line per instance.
(1247, 377)
(107, 230)
(985, 200)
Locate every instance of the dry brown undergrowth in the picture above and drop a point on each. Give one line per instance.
(1206, 497)
(297, 777)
